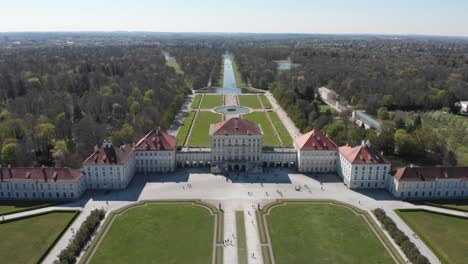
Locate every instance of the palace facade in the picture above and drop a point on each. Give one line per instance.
(236, 145)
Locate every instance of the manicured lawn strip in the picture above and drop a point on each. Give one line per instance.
(324, 107)
(265, 101)
(323, 233)
(250, 101)
(196, 101)
(159, 233)
(27, 240)
(200, 134)
(241, 239)
(185, 128)
(282, 131)
(269, 137)
(212, 101)
(239, 81)
(445, 235)
(459, 205)
(172, 62)
(11, 206)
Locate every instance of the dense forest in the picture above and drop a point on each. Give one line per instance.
(379, 76)
(58, 102)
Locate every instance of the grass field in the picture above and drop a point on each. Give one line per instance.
(159, 233)
(239, 81)
(269, 137)
(445, 235)
(250, 101)
(185, 128)
(212, 101)
(322, 233)
(200, 136)
(27, 240)
(265, 101)
(458, 204)
(324, 108)
(282, 131)
(196, 101)
(172, 62)
(241, 239)
(8, 207)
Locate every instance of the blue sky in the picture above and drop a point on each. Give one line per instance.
(430, 17)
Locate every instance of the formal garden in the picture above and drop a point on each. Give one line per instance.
(166, 232)
(321, 232)
(446, 235)
(29, 239)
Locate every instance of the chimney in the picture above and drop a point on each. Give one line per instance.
(10, 173)
(44, 172)
(96, 149)
(28, 175)
(55, 176)
(411, 165)
(368, 144)
(363, 143)
(96, 159)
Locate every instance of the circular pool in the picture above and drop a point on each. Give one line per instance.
(232, 110)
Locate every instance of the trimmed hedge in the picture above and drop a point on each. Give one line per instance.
(82, 237)
(402, 240)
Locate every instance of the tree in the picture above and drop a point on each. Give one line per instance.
(337, 132)
(386, 141)
(8, 153)
(417, 122)
(148, 97)
(123, 136)
(383, 113)
(387, 99)
(400, 123)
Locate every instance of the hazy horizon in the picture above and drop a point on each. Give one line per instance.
(358, 17)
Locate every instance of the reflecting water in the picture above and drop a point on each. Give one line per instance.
(232, 110)
(286, 65)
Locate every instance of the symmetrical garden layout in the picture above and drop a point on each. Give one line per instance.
(194, 131)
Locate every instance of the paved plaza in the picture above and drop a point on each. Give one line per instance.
(232, 192)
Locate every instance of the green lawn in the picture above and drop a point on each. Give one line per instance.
(159, 233)
(8, 207)
(212, 101)
(239, 81)
(265, 101)
(27, 240)
(185, 128)
(241, 239)
(458, 204)
(196, 101)
(282, 131)
(171, 62)
(269, 137)
(323, 233)
(445, 235)
(250, 101)
(200, 136)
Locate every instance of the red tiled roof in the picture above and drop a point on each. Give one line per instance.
(315, 140)
(236, 126)
(431, 173)
(113, 155)
(40, 174)
(362, 155)
(157, 140)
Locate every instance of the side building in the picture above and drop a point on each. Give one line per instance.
(316, 153)
(156, 152)
(363, 167)
(110, 167)
(41, 183)
(430, 183)
(236, 145)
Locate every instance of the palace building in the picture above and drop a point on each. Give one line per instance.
(236, 145)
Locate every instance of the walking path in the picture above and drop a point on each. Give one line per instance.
(233, 195)
(194, 121)
(288, 123)
(179, 119)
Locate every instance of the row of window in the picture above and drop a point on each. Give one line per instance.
(370, 185)
(429, 194)
(24, 186)
(34, 195)
(440, 184)
(153, 154)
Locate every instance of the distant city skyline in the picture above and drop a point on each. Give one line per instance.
(397, 17)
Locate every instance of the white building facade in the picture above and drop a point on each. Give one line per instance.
(316, 153)
(361, 167)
